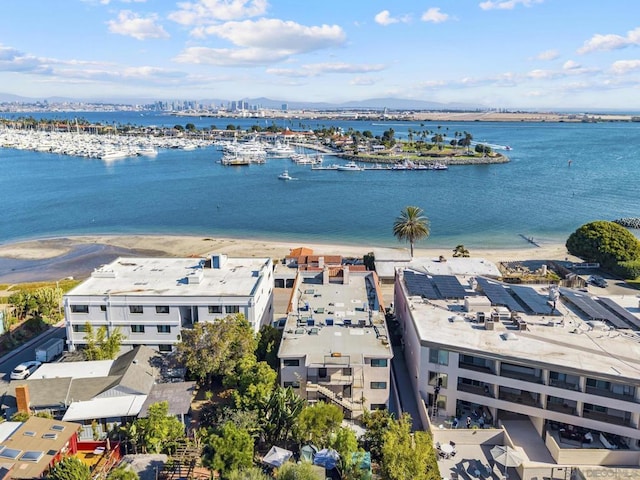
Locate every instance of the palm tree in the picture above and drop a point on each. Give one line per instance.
(461, 251)
(411, 226)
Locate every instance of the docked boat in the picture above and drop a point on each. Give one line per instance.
(285, 176)
(350, 167)
(440, 166)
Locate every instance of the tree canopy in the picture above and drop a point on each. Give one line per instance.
(158, 430)
(406, 455)
(101, 345)
(316, 423)
(604, 242)
(70, 468)
(411, 226)
(231, 449)
(212, 349)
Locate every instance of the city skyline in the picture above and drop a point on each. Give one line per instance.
(493, 53)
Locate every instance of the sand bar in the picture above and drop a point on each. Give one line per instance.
(55, 258)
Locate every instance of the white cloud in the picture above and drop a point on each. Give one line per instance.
(231, 57)
(362, 81)
(434, 15)
(132, 25)
(273, 33)
(384, 18)
(571, 65)
(611, 41)
(548, 55)
(318, 69)
(205, 12)
(622, 67)
(506, 4)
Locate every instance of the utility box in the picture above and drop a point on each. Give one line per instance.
(49, 350)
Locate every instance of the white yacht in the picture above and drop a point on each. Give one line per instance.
(350, 167)
(285, 176)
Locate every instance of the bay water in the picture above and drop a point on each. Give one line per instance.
(559, 177)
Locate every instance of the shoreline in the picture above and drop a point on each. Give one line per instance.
(59, 257)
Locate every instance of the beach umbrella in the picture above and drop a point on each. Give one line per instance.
(506, 456)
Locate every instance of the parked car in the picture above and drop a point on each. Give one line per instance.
(597, 280)
(24, 370)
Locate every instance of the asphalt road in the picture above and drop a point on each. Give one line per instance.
(26, 352)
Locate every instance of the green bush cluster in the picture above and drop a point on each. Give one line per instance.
(615, 248)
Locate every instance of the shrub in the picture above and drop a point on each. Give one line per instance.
(604, 242)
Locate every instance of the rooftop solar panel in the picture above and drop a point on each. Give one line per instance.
(499, 295)
(419, 284)
(449, 286)
(591, 308)
(622, 312)
(532, 299)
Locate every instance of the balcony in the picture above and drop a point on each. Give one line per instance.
(603, 392)
(335, 379)
(476, 368)
(565, 385)
(561, 408)
(483, 390)
(523, 398)
(606, 418)
(526, 377)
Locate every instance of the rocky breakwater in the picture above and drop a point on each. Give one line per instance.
(629, 222)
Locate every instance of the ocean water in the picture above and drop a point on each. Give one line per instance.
(537, 194)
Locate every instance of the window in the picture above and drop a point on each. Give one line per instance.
(137, 328)
(215, 308)
(438, 379)
(441, 357)
(79, 328)
(232, 309)
(601, 384)
(162, 309)
(291, 362)
(135, 308)
(165, 348)
(379, 362)
(292, 384)
(378, 385)
(378, 406)
(103, 308)
(347, 371)
(322, 372)
(594, 408)
(164, 328)
(442, 402)
(79, 308)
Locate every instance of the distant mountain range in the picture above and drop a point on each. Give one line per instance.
(373, 103)
(369, 104)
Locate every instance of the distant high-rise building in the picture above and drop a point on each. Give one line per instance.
(284, 107)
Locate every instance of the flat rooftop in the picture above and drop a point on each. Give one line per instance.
(568, 340)
(335, 319)
(173, 277)
(85, 369)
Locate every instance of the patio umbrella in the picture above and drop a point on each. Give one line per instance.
(506, 456)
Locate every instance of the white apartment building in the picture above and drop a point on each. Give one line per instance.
(335, 345)
(493, 352)
(152, 299)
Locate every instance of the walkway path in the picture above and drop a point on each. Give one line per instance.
(404, 387)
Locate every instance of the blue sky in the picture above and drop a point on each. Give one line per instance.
(545, 54)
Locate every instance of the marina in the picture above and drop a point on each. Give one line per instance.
(190, 192)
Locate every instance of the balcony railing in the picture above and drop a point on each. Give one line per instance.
(604, 417)
(565, 385)
(335, 379)
(485, 391)
(562, 408)
(476, 368)
(521, 376)
(524, 398)
(602, 392)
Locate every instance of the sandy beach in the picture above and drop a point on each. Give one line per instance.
(55, 258)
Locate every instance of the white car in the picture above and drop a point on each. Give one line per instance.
(23, 370)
